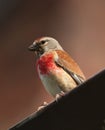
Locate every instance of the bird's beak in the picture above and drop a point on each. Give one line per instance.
(32, 47)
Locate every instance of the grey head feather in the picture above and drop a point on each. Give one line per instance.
(44, 44)
(51, 44)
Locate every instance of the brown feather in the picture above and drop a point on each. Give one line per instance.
(66, 61)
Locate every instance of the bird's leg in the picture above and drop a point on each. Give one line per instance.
(42, 106)
(59, 95)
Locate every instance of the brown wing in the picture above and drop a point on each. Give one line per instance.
(70, 66)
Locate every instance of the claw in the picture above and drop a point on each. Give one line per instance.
(42, 106)
(58, 96)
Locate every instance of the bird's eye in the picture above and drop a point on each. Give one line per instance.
(43, 42)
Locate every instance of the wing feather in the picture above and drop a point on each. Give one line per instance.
(70, 66)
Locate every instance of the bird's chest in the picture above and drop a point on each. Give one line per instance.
(47, 71)
(46, 64)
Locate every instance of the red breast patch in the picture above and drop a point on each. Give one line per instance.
(46, 63)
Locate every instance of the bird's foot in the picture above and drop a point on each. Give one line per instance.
(59, 95)
(42, 106)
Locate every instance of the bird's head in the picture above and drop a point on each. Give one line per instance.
(44, 44)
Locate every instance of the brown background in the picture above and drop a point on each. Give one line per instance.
(78, 25)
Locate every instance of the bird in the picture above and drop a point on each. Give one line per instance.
(57, 70)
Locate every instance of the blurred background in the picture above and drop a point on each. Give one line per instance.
(79, 26)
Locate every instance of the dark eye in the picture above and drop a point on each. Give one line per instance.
(43, 42)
